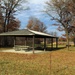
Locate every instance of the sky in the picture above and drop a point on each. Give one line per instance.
(36, 8)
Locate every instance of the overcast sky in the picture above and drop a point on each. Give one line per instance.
(36, 8)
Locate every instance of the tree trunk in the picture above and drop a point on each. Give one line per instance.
(8, 20)
(74, 42)
(67, 37)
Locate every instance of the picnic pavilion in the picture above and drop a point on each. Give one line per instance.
(30, 34)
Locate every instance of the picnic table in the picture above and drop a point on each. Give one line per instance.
(21, 47)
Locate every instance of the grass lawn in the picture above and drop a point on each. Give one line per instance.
(62, 63)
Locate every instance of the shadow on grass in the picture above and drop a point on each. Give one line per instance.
(5, 48)
(55, 49)
(49, 49)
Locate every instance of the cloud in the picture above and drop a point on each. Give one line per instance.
(36, 6)
(38, 1)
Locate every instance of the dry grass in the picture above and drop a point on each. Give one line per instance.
(62, 63)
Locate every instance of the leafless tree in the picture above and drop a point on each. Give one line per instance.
(64, 16)
(36, 24)
(8, 8)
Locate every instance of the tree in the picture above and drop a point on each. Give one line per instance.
(8, 8)
(63, 17)
(1, 20)
(72, 27)
(36, 24)
(14, 25)
(53, 34)
(72, 33)
(72, 7)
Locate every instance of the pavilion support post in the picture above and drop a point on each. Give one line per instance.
(25, 41)
(51, 43)
(56, 42)
(14, 41)
(33, 43)
(44, 44)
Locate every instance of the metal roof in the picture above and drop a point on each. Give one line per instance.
(25, 32)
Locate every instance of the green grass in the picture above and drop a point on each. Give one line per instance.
(62, 63)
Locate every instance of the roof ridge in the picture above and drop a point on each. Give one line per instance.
(35, 31)
(38, 32)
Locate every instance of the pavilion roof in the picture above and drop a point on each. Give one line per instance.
(26, 32)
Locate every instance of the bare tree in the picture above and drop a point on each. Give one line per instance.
(71, 7)
(14, 25)
(36, 24)
(63, 17)
(53, 33)
(9, 7)
(1, 19)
